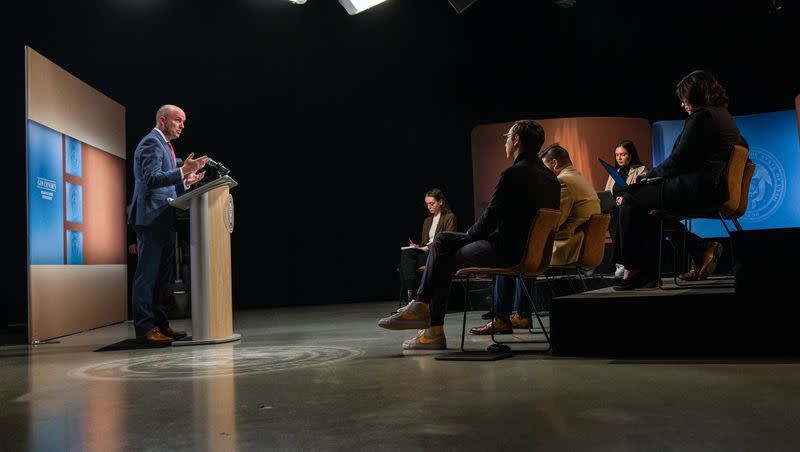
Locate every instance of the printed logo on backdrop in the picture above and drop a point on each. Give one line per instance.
(768, 187)
(46, 187)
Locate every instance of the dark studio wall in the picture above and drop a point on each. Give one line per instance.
(335, 126)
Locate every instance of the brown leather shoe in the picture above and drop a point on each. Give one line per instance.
(169, 332)
(521, 321)
(710, 258)
(691, 275)
(154, 336)
(500, 325)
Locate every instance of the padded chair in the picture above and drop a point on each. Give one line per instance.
(535, 260)
(739, 175)
(593, 247)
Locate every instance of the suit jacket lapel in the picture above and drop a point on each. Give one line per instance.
(164, 150)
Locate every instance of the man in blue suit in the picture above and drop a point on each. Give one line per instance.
(158, 178)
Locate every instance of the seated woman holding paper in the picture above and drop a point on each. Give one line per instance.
(629, 166)
(414, 255)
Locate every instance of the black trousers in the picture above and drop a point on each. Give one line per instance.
(449, 252)
(639, 231)
(155, 249)
(410, 260)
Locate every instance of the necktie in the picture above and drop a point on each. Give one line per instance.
(171, 149)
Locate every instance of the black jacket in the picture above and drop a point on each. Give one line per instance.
(523, 189)
(694, 174)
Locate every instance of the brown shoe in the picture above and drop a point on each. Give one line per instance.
(169, 332)
(154, 336)
(500, 325)
(521, 321)
(691, 275)
(710, 258)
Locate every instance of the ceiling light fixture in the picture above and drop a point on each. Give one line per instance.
(356, 6)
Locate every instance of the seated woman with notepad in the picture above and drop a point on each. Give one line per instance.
(414, 255)
(628, 165)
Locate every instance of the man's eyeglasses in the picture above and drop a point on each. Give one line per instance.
(430, 204)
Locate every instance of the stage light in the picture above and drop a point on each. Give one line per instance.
(461, 5)
(298, 2)
(356, 6)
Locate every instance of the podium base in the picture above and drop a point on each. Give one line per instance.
(189, 341)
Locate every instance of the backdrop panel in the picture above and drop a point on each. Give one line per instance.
(774, 199)
(77, 272)
(586, 139)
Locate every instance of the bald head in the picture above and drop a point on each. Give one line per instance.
(170, 120)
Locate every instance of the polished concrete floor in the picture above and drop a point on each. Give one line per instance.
(327, 378)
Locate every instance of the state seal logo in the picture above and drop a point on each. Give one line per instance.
(768, 187)
(229, 214)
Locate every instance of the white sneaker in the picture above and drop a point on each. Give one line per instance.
(620, 271)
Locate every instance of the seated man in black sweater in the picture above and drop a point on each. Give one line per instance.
(497, 239)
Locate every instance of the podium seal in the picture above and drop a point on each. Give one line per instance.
(229, 214)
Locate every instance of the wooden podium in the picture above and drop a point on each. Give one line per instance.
(210, 224)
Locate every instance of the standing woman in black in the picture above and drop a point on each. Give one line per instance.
(694, 178)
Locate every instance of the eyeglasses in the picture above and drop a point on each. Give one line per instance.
(430, 204)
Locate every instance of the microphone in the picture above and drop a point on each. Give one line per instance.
(218, 166)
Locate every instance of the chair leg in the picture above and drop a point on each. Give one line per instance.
(536, 313)
(578, 272)
(464, 322)
(660, 240)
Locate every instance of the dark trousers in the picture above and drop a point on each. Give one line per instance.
(639, 231)
(449, 252)
(410, 260)
(507, 292)
(155, 245)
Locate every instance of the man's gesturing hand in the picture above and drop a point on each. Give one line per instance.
(191, 165)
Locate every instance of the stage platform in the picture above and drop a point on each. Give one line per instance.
(678, 321)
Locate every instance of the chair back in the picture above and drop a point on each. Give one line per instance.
(735, 169)
(749, 169)
(539, 249)
(594, 241)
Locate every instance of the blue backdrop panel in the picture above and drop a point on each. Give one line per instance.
(74, 247)
(74, 203)
(45, 196)
(774, 147)
(72, 156)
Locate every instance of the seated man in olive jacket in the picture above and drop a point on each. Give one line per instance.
(497, 239)
(579, 201)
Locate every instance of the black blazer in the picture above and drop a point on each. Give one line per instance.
(694, 173)
(523, 189)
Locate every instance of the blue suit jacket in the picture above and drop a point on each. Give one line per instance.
(157, 178)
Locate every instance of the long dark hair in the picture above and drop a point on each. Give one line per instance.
(438, 195)
(631, 148)
(701, 89)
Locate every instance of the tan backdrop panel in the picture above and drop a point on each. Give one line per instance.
(62, 102)
(74, 298)
(103, 208)
(584, 138)
(797, 108)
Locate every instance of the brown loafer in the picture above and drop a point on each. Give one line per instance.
(169, 332)
(521, 321)
(154, 336)
(499, 326)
